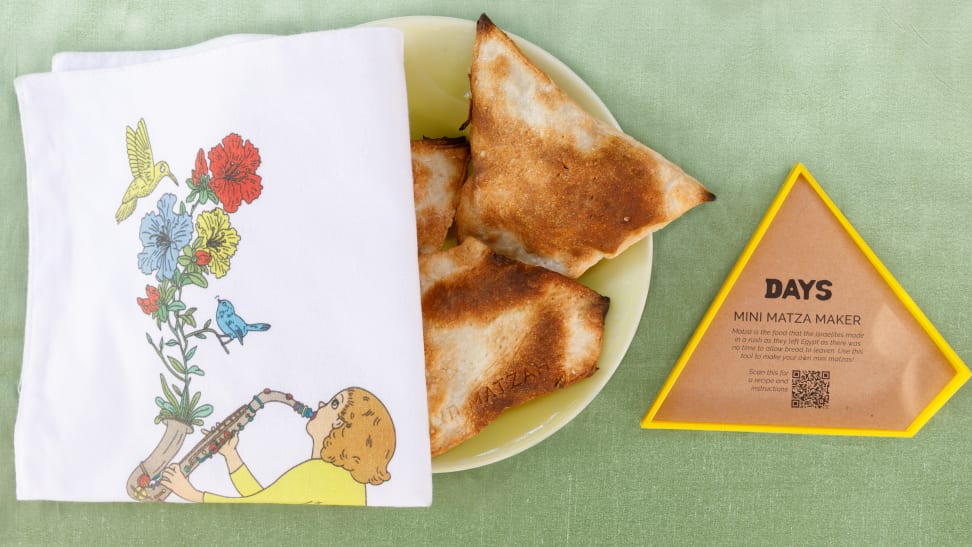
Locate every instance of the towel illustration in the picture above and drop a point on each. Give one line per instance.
(352, 441)
(146, 172)
(185, 243)
(232, 324)
(245, 227)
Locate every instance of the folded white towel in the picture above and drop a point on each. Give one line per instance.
(285, 258)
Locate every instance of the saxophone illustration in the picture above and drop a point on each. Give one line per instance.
(143, 483)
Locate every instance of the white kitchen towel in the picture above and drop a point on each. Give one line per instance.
(83, 60)
(213, 233)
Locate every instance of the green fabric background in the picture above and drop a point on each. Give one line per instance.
(874, 97)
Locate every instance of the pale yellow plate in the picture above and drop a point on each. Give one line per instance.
(437, 57)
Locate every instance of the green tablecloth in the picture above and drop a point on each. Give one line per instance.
(875, 98)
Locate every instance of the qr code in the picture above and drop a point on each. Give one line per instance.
(811, 389)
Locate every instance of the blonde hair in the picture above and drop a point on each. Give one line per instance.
(365, 442)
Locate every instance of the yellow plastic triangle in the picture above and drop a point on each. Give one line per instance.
(809, 334)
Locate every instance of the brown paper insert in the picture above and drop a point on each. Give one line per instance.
(813, 333)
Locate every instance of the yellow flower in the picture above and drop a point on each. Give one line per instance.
(217, 238)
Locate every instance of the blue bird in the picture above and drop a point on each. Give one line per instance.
(233, 325)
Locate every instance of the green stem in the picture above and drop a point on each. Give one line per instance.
(218, 336)
(181, 342)
(165, 362)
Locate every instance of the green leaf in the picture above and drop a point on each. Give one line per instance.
(178, 305)
(177, 365)
(177, 277)
(177, 390)
(163, 314)
(189, 318)
(212, 195)
(183, 408)
(168, 394)
(203, 195)
(198, 279)
(196, 370)
(208, 322)
(158, 419)
(163, 404)
(184, 260)
(164, 290)
(190, 353)
(172, 342)
(194, 401)
(201, 336)
(149, 338)
(190, 184)
(182, 207)
(203, 411)
(198, 423)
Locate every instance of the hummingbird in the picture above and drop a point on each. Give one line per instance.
(233, 325)
(146, 172)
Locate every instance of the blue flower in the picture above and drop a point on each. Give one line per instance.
(163, 236)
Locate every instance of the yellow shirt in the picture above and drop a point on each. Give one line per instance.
(314, 481)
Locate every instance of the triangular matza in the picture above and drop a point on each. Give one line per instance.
(499, 333)
(551, 185)
(809, 334)
(438, 171)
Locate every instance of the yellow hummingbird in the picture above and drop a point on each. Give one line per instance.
(145, 171)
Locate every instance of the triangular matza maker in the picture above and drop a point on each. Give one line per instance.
(809, 334)
(232, 301)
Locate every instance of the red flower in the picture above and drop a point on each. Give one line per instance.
(203, 258)
(151, 303)
(234, 164)
(200, 169)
